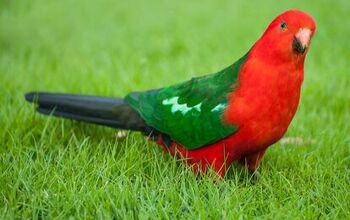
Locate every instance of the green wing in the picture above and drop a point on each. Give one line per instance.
(190, 112)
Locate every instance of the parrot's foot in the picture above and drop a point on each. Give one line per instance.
(121, 135)
(255, 176)
(216, 169)
(210, 171)
(252, 161)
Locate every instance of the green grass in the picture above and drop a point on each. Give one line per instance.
(54, 168)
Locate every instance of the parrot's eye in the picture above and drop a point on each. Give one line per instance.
(283, 26)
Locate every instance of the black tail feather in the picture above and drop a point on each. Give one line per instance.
(112, 112)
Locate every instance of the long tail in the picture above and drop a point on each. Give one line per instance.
(112, 112)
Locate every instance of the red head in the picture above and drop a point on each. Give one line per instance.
(288, 36)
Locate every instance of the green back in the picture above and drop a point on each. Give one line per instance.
(190, 112)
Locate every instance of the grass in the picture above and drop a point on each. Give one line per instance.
(51, 168)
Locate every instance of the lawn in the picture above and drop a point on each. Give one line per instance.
(54, 168)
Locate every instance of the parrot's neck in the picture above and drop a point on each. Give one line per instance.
(266, 97)
(266, 52)
(269, 68)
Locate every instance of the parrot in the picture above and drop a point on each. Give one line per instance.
(211, 121)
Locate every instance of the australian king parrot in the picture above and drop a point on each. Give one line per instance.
(211, 121)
